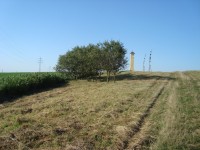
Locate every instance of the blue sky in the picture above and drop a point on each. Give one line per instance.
(30, 29)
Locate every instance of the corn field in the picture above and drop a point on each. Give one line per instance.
(12, 84)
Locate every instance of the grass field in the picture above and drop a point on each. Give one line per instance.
(139, 111)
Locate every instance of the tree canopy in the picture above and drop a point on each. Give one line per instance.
(92, 60)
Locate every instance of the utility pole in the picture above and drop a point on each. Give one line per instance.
(150, 61)
(49, 68)
(40, 62)
(144, 63)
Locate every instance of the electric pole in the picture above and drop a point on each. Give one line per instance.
(144, 63)
(40, 62)
(150, 61)
(49, 68)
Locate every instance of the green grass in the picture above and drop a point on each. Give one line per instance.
(189, 108)
(180, 126)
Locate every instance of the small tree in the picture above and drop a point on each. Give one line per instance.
(114, 57)
(69, 63)
(91, 60)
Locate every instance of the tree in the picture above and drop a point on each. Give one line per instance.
(114, 57)
(68, 63)
(89, 61)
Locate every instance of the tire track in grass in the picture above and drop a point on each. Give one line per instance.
(137, 127)
(148, 134)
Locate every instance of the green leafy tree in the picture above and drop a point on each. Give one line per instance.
(68, 63)
(113, 53)
(92, 60)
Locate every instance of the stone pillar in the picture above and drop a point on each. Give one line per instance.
(132, 62)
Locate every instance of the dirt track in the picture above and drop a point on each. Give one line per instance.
(135, 140)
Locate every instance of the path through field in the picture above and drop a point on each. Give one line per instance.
(139, 111)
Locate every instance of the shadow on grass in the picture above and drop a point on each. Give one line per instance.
(129, 76)
(12, 97)
(142, 77)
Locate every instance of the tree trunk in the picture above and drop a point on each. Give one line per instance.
(108, 76)
(114, 76)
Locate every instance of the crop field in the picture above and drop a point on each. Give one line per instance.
(139, 111)
(15, 84)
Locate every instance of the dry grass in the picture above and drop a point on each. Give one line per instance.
(181, 123)
(92, 115)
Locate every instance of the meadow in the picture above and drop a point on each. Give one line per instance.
(139, 111)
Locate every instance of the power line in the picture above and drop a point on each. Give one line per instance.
(9, 43)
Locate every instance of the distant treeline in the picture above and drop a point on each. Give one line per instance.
(91, 60)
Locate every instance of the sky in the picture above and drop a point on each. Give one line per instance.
(33, 29)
